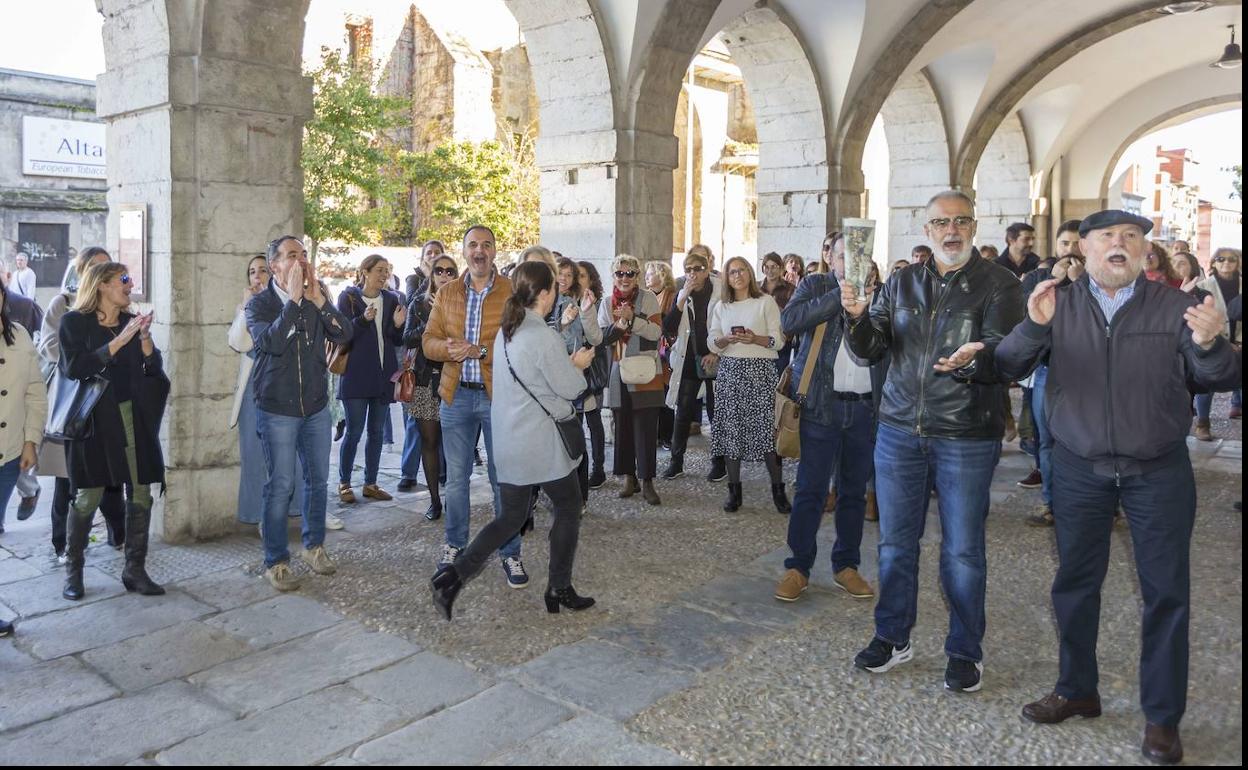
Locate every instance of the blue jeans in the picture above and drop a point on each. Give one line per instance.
(1044, 438)
(847, 444)
(285, 438)
(8, 480)
(906, 466)
(409, 466)
(1204, 402)
(460, 422)
(362, 414)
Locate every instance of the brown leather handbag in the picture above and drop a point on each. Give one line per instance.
(335, 354)
(789, 410)
(405, 379)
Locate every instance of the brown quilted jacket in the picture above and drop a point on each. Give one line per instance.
(446, 322)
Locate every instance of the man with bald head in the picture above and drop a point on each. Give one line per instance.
(1120, 351)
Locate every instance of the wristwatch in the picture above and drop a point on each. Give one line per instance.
(485, 351)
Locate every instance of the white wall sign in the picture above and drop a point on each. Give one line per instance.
(53, 147)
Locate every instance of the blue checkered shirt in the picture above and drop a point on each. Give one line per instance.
(1111, 305)
(472, 328)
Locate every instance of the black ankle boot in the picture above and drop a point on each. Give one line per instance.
(566, 597)
(446, 586)
(134, 577)
(733, 502)
(77, 532)
(631, 487)
(781, 499)
(435, 511)
(649, 493)
(719, 469)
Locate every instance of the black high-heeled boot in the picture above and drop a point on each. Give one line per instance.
(78, 531)
(781, 499)
(134, 577)
(733, 503)
(566, 597)
(446, 586)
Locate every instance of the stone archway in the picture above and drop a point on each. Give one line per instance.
(792, 180)
(918, 160)
(1002, 183)
(205, 104)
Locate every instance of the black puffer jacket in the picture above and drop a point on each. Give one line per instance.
(922, 316)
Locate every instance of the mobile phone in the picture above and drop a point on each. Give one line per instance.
(738, 330)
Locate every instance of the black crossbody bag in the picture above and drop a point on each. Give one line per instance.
(569, 428)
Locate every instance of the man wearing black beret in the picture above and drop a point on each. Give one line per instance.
(1120, 351)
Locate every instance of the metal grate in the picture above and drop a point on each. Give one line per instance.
(181, 562)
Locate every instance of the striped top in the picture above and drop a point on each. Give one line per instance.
(472, 329)
(1111, 305)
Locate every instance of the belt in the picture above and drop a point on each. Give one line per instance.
(838, 395)
(472, 385)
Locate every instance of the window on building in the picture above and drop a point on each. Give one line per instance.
(47, 246)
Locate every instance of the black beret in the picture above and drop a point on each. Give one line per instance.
(1111, 217)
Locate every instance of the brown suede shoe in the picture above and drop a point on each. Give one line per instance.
(1203, 431)
(345, 495)
(1053, 708)
(631, 487)
(374, 492)
(852, 583)
(1042, 519)
(829, 505)
(791, 586)
(1162, 744)
(873, 510)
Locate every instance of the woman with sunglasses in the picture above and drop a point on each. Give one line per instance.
(1224, 283)
(591, 301)
(425, 402)
(630, 324)
(100, 337)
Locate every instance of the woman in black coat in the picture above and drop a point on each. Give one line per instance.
(98, 337)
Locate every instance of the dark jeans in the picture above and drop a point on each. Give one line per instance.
(362, 414)
(8, 480)
(1204, 402)
(1160, 507)
(636, 439)
(597, 438)
(112, 508)
(565, 494)
(906, 466)
(1044, 439)
(689, 409)
(848, 444)
(409, 464)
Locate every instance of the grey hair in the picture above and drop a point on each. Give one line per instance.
(271, 252)
(952, 195)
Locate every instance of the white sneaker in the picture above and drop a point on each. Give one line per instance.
(449, 554)
(333, 522)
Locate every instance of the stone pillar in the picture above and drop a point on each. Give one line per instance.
(918, 151)
(205, 105)
(1003, 183)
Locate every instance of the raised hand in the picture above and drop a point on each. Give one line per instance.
(1206, 323)
(960, 358)
(850, 301)
(400, 315)
(1042, 304)
(569, 314)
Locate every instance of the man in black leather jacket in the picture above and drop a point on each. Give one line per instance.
(941, 423)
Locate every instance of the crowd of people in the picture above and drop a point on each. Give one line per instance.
(902, 383)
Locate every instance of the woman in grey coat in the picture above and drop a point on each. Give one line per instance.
(535, 383)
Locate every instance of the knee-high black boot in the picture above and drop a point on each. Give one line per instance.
(134, 576)
(680, 440)
(78, 531)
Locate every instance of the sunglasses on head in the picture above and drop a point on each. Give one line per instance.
(625, 273)
(452, 272)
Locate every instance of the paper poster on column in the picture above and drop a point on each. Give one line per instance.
(859, 252)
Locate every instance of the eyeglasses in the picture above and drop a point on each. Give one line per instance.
(1224, 259)
(694, 269)
(736, 272)
(940, 223)
(452, 272)
(625, 273)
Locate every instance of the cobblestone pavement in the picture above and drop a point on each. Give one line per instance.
(686, 658)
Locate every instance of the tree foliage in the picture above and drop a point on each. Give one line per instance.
(1238, 182)
(353, 184)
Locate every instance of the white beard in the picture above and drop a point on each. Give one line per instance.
(955, 261)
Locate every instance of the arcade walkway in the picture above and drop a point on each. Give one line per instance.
(687, 658)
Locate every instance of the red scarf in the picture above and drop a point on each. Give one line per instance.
(619, 300)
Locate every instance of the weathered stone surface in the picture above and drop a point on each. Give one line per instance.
(302, 732)
(170, 653)
(25, 691)
(275, 620)
(588, 740)
(685, 637)
(469, 733)
(603, 678)
(750, 599)
(13, 570)
(229, 589)
(422, 684)
(296, 668)
(118, 730)
(39, 595)
(84, 628)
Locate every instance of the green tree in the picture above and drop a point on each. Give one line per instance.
(490, 183)
(1238, 182)
(353, 186)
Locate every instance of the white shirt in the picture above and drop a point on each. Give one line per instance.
(24, 282)
(760, 315)
(847, 375)
(378, 303)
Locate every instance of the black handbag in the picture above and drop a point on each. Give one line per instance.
(598, 374)
(72, 402)
(570, 432)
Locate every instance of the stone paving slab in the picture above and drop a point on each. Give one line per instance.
(24, 692)
(680, 636)
(12, 658)
(296, 668)
(85, 628)
(118, 730)
(170, 653)
(422, 684)
(752, 599)
(13, 570)
(603, 678)
(275, 620)
(587, 740)
(302, 732)
(40, 595)
(229, 589)
(469, 733)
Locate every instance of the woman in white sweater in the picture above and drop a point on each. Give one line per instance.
(745, 333)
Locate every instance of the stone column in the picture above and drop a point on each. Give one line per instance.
(205, 104)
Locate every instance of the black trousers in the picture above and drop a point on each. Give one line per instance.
(689, 408)
(1160, 507)
(636, 439)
